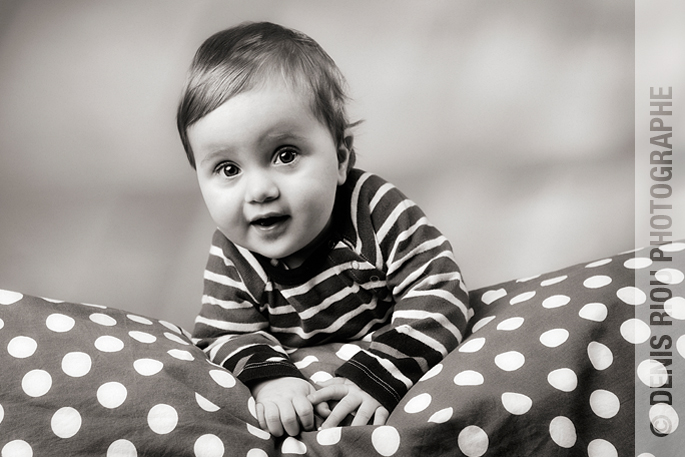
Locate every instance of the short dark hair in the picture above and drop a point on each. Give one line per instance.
(237, 59)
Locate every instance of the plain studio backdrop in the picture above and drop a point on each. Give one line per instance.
(511, 123)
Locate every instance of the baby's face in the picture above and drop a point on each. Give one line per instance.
(268, 171)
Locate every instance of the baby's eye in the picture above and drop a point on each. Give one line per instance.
(286, 155)
(228, 169)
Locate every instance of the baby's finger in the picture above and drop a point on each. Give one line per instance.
(289, 419)
(305, 412)
(381, 416)
(273, 419)
(259, 409)
(364, 413)
(346, 406)
(322, 409)
(332, 392)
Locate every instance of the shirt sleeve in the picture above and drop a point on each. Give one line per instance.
(431, 307)
(230, 328)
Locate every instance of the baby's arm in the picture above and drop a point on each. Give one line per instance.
(431, 307)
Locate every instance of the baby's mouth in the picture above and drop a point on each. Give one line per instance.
(269, 221)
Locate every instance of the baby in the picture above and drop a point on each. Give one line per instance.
(308, 250)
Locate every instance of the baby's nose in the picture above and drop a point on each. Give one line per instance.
(261, 188)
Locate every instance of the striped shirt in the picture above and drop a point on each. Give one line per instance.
(382, 273)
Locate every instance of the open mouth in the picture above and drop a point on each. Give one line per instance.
(269, 221)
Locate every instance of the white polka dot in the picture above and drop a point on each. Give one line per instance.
(442, 416)
(170, 326)
(675, 307)
(418, 403)
(111, 394)
(347, 351)
(2, 413)
(52, 300)
(473, 441)
(386, 440)
(631, 295)
(36, 383)
(596, 312)
(635, 331)
(103, 319)
(652, 373)
(205, 404)
(554, 338)
(252, 407)
(595, 282)
(520, 298)
(510, 324)
(109, 344)
(59, 323)
(2, 323)
(176, 339)
(76, 364)
(122, 448)
(646, 454)
(329, 436)
(598, 263)
(66, 422)
(320, 376)
(680, 345)
(223, 378)
(162, 419)
(492, 295)
(293, 446)
(481, 323)
(556, 301)
(469, 378)
(148, 367)
(516, 403)
(601, 448)
(256, 453)
(669, 276)
(528, 278)
(673, 247)
(258, 432)
(17, 448)
(604, 403)
(208, 446)
(181, 355)
(563, 379)
(21, 347)
(552, 281)
(600, 356)
(304, 363)
(664, 418)
(142, 337)
(139, 319)
(472, 345)
(510, 361)
(9, 298)
(637, 263)
(563, 432)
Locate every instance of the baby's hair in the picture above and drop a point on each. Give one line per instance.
(240, 58)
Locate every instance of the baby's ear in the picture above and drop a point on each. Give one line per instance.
(344, 156)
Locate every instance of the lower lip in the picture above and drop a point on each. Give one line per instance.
(273, 230)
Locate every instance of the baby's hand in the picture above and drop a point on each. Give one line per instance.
(282, 405)
(352, 400)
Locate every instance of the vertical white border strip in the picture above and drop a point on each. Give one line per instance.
(659, 218)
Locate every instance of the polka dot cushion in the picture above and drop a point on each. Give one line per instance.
(560, 364)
